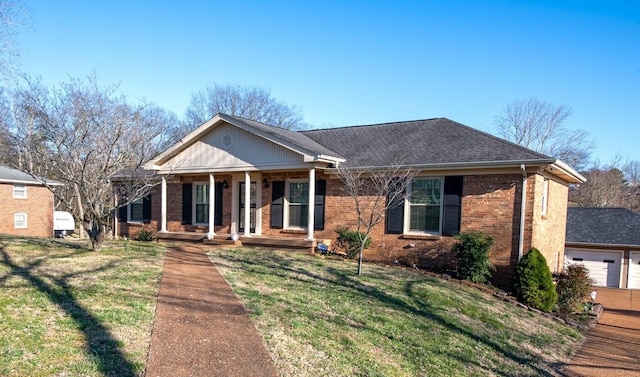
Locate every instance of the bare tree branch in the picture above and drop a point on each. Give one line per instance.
(248, 102)
(374, 191)
(86, 136)
(538, 125)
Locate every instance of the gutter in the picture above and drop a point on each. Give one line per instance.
(456, 165)
(523, 207)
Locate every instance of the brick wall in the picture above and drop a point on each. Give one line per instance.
(548, 233)
(490, 204)
(38, 206)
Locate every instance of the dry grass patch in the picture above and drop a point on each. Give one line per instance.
(69, 311)
(318, 317)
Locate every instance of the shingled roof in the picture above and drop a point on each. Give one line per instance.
(10, 175)
(604, 226)
(421, 142)
(296, 138)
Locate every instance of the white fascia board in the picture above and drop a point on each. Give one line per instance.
(31, 183)
(566, 172)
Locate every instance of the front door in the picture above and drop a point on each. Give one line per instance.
(252, 206)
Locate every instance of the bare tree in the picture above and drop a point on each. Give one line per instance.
(86, 136)
(538, 125)
(13, 18)
(612, 185)
(248, 102)
(605, 187)
(374, 191)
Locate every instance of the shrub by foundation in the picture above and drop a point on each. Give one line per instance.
(472, 255)
(533, 282)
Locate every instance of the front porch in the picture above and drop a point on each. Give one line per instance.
(225, 239)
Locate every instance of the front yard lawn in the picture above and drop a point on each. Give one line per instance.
(68, 311)
(318, 318)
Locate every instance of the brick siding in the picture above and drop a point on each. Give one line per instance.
(38, 206)
(490, 204)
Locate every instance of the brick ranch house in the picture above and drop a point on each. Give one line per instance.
(26, 205)
(473, 181)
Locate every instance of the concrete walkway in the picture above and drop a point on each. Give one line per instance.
(613, 347)
(201, 328)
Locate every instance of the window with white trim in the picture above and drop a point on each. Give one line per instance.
(201, 203)
(430, 206)
(425, 205)
(20, 220)
(19, 191)
(136, 212)
(545, 196)
(297, 195)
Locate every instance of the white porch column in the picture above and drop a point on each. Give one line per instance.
(212, 210)
(312, 201)
(163, 205)
(247, 204)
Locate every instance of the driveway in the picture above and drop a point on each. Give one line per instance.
(613, 347)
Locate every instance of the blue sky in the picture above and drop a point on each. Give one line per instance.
(360, 62)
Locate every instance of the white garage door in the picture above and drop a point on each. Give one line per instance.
(634, 270)
(603, 266)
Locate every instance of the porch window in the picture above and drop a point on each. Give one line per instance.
(19, 191)
(298, 204)
(290, 204)
(138, 211)
(201, 203)
(135, 211)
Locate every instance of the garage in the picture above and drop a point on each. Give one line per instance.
(604, 266)
(634, 270)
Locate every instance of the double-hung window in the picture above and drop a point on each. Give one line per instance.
(298, 204)
(201, 203)
(430, 206)
(424, 199)
(136, 213)
(20, 220)
(19, 191)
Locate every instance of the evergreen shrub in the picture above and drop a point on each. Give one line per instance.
(533, 282)
(472, 255)
(349, 241)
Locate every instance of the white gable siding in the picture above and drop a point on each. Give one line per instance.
(243, 151)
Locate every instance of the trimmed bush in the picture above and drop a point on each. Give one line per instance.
(572, 285)
(349, 242)
(472, 255)
(533, 283)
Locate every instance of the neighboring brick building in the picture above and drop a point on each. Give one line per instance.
(26, 205)
(467, 180)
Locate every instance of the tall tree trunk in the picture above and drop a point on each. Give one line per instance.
(80, 212)
(96, 234)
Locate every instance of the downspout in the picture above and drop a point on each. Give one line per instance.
(523, 207)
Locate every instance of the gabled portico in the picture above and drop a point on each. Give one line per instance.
(231, 171)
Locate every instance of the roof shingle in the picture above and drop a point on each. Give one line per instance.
(609, 226)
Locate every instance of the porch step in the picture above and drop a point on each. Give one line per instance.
(221, 240)
(283, 242)
(180, 236)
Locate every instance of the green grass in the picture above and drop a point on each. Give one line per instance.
(318, 317)
(69, 311)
